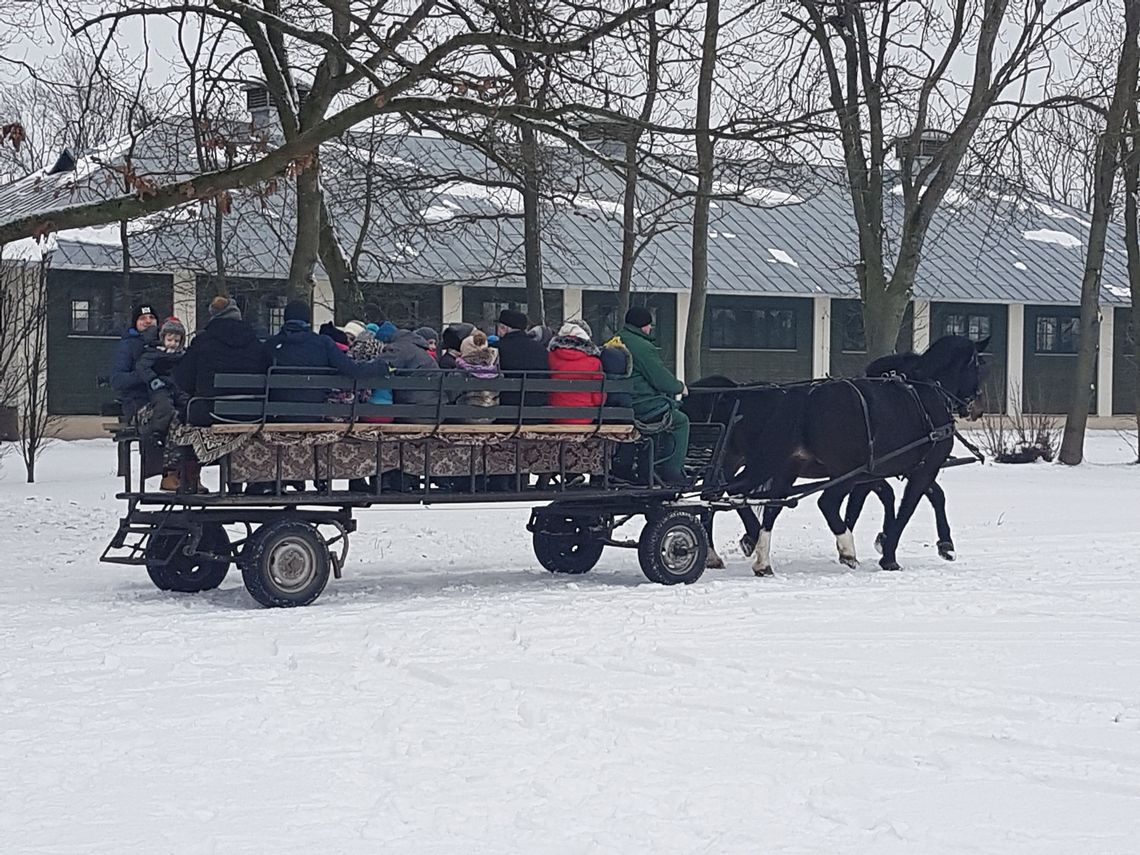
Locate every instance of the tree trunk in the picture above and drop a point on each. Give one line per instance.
(699, 289)
(532, 236)
(629, 196)
(1132, 245)
(347, 296)
(306, 245)
(1107, 161)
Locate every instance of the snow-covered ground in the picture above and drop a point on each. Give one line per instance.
(449, 696)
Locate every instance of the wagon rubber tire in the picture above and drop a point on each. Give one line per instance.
(187, 574)
(673, 548)
(574, 552)
(285, 564)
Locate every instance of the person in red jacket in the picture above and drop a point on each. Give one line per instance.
(573, 356)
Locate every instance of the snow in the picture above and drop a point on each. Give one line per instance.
(1020, 265)
(770, 198)
(1118, 290)
(505, 199)
(449, 696)
(603, 206)
(1050, 236)
(437, 213)
(781, 257)
(1057, 213)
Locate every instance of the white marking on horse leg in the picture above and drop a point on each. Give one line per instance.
(846, 544)
(762, 555)
(713, 561)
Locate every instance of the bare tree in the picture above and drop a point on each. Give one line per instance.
(705, 168)
(1131, 171)
(1107, 165)
(393, 64)
(887, 69)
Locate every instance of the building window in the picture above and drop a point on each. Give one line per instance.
(275, 317)
(854, 339)
(80, 316)
(974, 327)
(753, 329)
(1057, 335)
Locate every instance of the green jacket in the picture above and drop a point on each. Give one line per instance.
(654, 386)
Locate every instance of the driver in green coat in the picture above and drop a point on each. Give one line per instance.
(655, 390)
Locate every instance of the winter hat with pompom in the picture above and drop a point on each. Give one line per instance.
(474, 343)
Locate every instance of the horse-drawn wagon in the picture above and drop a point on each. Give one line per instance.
(587, 470)
(281, 512)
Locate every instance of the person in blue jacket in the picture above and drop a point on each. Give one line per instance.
(297, 346)
(132, 389)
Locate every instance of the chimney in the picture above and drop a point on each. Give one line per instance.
(257, 102)
(930, 142)
(608, 137)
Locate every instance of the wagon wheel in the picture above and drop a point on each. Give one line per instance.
(568, 545)
(285, 564)
(673, 548)
(171, 569)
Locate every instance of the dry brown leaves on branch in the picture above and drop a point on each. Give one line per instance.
(14, 133)
(300, 164)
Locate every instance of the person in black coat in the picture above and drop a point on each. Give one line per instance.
(132, 391)
(227, 345)
(297, 346)
(518, 353)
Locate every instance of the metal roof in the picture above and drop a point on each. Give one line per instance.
(440, 216)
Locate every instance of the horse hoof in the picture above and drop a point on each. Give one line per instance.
(763, 571)
(946, 550)
(714, 562)
(747, 545)
(890, 565)
(849, 561)
(879, 543)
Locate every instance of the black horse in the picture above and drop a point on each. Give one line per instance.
(860, 431)
(903, 365)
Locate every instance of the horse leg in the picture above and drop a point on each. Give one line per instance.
(762, 555)
(938, 501)
(713, 561)
(887, 497)
(917, 483)
(855, 500)
(751, 529)
(829, 502)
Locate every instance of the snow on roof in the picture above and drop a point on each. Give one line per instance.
(437, 213)
(1020, 265)
(781, 257)
(1052, 236)
(506, 199)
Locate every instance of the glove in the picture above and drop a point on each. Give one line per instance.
(157, 383)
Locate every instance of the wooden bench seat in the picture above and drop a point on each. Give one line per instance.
(426, 429)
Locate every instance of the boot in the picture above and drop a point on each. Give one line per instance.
(191, 478)
(170, 482)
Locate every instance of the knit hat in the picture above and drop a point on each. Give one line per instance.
(224, 307)
(453, 335)
(141, 309)
(173, 325)
(473, 344)
(638, 316)
(353, 328)
(513, 319)
(386, 331)
(428, 334)
(297, 310)
(576, 329)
